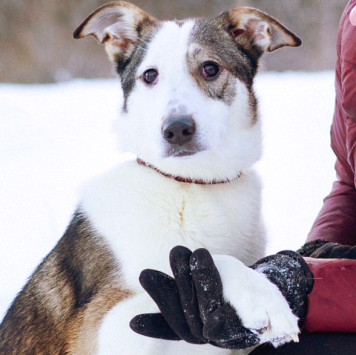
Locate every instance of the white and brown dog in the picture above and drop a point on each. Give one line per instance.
(190, 115)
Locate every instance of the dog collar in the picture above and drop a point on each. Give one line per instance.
(187, 180)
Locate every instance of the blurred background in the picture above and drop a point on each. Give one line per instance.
(36, 44)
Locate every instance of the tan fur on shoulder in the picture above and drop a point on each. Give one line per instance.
(83, 328)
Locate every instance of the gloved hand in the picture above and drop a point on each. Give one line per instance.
(192, 306)
(291, 274)
(323, 249)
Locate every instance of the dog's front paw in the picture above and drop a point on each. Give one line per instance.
(258, 302)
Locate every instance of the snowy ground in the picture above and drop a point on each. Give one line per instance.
(53, 137)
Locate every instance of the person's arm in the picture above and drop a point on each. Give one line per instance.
(332, 302)
(336, 221)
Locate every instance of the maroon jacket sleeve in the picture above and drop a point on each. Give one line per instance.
(332, 302)
(337, 219)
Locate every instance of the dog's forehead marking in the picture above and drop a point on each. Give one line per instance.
(179, 50)
(169, 46)
(178, 53)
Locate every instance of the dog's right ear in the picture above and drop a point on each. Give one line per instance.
(118, 25)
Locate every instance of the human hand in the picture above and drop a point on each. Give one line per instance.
(323, 249)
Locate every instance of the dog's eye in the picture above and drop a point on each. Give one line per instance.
(210, 70)
(150, 76)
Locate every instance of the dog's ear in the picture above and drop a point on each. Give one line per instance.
(254, 29)
(118, 25)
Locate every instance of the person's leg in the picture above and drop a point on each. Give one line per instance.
(314, 344)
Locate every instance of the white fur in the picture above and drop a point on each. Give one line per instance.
(143, 214)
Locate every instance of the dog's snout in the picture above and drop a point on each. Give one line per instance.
(179, 130)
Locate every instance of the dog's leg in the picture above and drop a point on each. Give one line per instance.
(115, 335)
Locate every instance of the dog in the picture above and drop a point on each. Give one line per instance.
(190, 115)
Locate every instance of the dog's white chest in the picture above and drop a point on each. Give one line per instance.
(143, 214)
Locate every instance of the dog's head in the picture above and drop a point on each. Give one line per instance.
(189, 108)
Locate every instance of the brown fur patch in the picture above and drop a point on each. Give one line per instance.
(213, 39)
(84, 327)
(223, 86)
(62, 305)
(253, 106)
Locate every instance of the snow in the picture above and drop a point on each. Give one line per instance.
(53, 137)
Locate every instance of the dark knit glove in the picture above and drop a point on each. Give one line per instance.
(310, 247)
(291, 274)
(188, 302)
(192, 306)
(323, 249)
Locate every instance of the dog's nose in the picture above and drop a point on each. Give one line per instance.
(179, 130)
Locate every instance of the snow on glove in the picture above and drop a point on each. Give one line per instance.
(323, 249)
(188, 302)
(291, 274)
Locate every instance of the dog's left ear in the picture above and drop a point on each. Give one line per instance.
(254, 29)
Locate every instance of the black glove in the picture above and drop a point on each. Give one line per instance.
(188, 301)
(291, 274)
(192, 307)
(323, 249)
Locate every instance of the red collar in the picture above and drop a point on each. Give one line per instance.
(182, 179)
